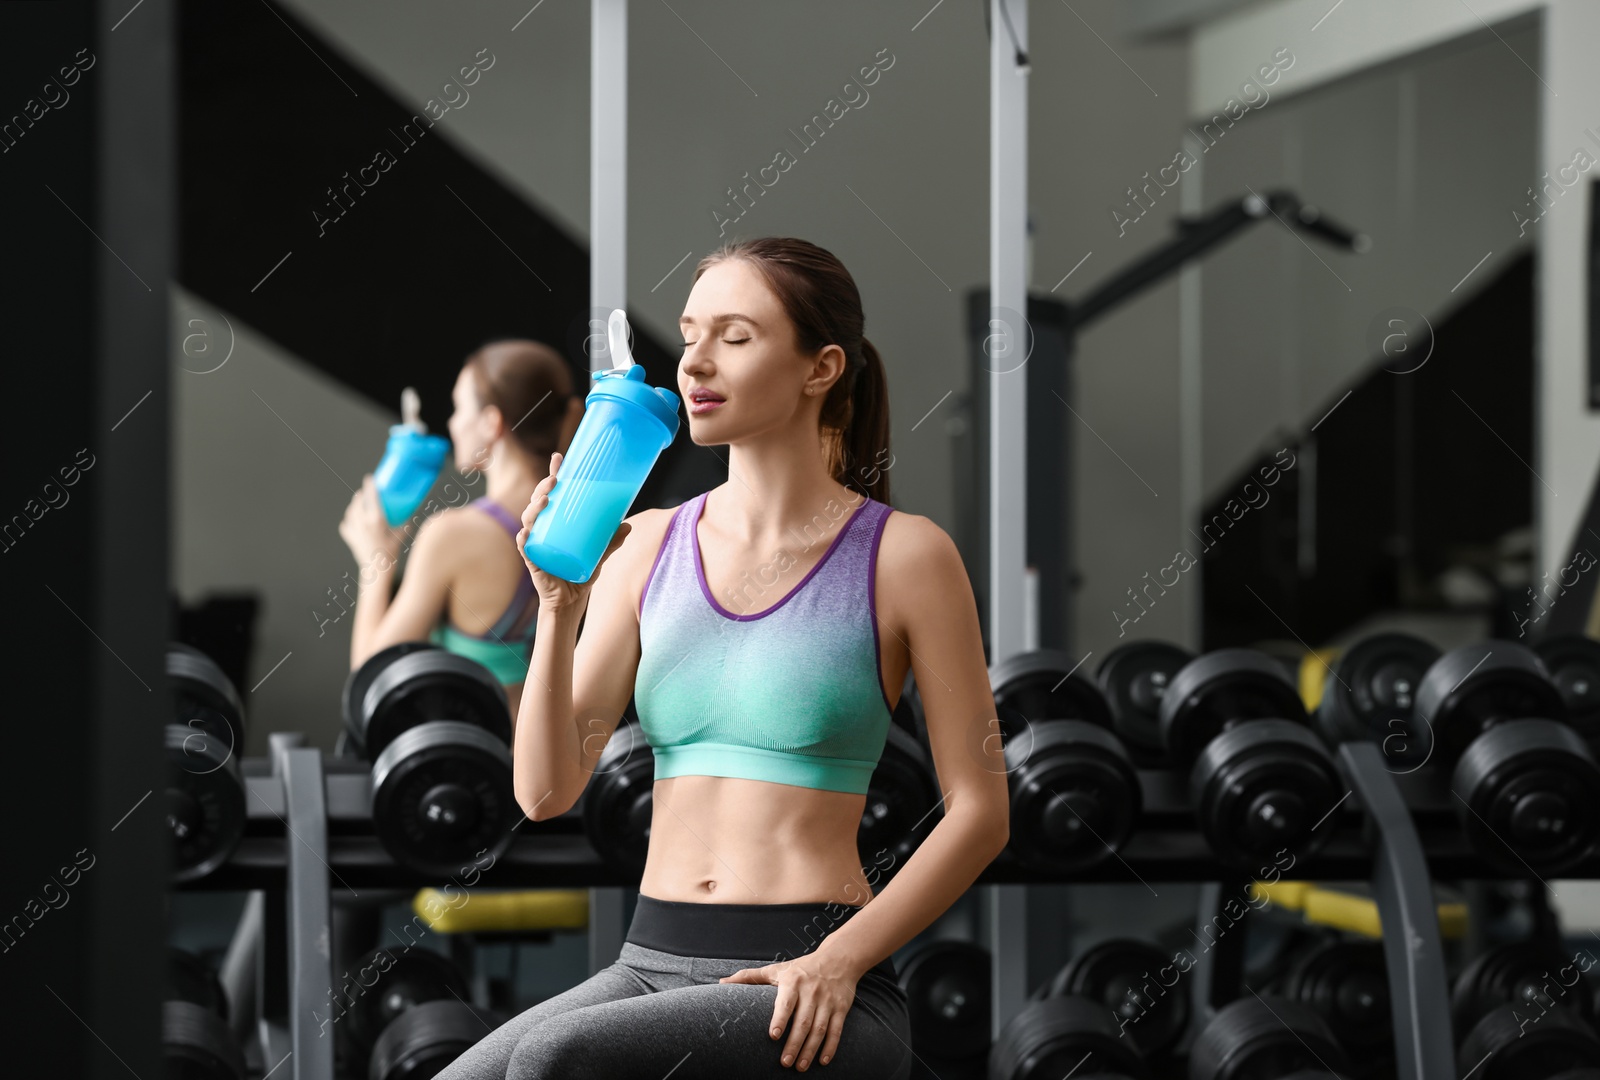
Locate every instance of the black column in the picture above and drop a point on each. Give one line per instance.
(86, 186)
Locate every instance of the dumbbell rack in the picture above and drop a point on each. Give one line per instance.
(309, 827)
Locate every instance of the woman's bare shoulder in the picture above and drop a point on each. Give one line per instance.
(638, 550)
(915, 552)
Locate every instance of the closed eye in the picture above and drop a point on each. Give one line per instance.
(741, 341)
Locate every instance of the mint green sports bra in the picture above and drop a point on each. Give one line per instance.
(793, 694)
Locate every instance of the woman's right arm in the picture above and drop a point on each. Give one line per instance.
(576, 691)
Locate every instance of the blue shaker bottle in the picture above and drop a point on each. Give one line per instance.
(411, 462)
(626, 424)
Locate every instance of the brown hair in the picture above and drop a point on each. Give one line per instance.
(820, 298)
(531, 384)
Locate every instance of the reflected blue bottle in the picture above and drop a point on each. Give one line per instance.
(626, 425)
(411, 463)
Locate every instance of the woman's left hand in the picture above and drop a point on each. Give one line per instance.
(817, 990)
(365, 530)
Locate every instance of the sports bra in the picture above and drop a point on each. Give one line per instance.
(505, 648)
(792, 694)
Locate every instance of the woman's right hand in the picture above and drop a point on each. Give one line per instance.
(557, 593)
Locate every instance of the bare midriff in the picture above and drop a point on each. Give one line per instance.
(723, 840)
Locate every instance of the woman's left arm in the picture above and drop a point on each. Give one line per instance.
(923, 571)
(379, 621)
(937, 619)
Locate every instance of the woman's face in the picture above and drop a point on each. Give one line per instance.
(739, 345)
(469, 426)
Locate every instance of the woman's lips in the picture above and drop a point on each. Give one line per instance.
(704, 406)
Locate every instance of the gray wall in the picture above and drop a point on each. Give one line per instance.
(1400, 153)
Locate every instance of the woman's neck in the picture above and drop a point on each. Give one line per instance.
(511, 482)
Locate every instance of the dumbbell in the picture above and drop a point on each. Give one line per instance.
(1347, 984)
(1075, 795)
(1515, 1042)
(204, 739)
(1064, 1036)
(191, 979)
(619, 800)
(1525, 781)
(435, 727)
(1124, 974)
(1134, 678)
(412, 1019)
(1573, 662)
(948, 986)
(196, 1041)
(1523, 973)
(1370, 694)
(1260, 780)
(1265, 1038)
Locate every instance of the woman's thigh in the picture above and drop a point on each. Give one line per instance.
(490, 1057)
(711, 1029)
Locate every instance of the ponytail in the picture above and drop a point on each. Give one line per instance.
(865, 441)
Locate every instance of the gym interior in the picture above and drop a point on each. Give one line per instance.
(1276, 499)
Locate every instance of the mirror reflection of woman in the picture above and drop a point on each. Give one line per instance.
(466, 586)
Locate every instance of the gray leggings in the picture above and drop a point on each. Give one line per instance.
(653, 1013)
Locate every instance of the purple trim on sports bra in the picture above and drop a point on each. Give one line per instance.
(872, 604)
(507, 521)
(705, 589)
(666, 537)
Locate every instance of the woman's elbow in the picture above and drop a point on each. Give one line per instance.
(539, 805)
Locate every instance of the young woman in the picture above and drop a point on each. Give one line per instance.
(759, 628)
(466, 585)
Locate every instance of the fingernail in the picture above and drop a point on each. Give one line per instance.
(787, 1058)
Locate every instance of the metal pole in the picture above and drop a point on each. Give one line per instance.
(1191, 413)
(1011, 338)
(608, 266)
(608, 167)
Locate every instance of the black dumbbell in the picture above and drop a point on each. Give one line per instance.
(618, 802)
(1256, 1038)
(1520, 1042)
(1075, 796)
(947, 984)
(1524, 973)
(1064, 1036)
(1347, 984)
(197, 1044)
(903, 805)
(352, 702)
(1260, 780)
(1524, 780)
(1134, 678)
(204, 739)
(425, 1038)
(1573, 662)
(1125, 975)
(196, 1040)
(191, 979)
(378, 1014)
(1370, 694)
(435, 727)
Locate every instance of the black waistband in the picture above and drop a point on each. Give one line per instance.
(767, 932)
